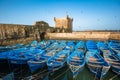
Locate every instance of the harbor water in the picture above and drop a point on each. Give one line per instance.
(63, 74)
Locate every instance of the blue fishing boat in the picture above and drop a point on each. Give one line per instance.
(61, 46)
(80, 46)
(33, 43)
(102, 46)
(16, 46)
(114, 41)
(56, 46)
(118, 54)
(6, 52)
(10, 47)
(76, 62)
(5, 48)
(35, 63)
(43, 44)
(45, 56)
(92, 46)
(4, 57)
(51, 51)
(40, 61)
(96, 64)
(58, 61)
(53, 46)
(115, 46)
(111, 58)
(48, 52)
(70, 45)
(21, 56)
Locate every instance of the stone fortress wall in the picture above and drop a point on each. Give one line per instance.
(8, 31)
(16, 33)
(85, 35)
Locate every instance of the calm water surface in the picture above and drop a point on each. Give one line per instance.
(23, 73)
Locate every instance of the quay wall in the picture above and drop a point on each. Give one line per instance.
(12, 31)
(15, 33)
(84, 35)
(17, 41)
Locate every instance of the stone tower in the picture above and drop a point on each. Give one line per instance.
(65, 23)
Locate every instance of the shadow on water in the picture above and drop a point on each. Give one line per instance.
(85, 74)
(4, 70)
(18, 73)
(21, 72)
(62, 74)
(111, 76)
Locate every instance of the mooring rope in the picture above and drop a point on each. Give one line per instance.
(38, 76)
(35, 75)
(114, 76)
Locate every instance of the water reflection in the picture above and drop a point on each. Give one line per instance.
(62, 74)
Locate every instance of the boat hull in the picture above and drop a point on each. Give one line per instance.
(17, 61)
(75, 69)
(53, 68)
(116, 70)
(34, 66)
(97, 64)
(112, 59)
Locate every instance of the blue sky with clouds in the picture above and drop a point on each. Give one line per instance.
(87, 14)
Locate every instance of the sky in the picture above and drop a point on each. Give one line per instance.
(86, 14)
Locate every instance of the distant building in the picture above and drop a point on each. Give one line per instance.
(64, 23)
(43, 26)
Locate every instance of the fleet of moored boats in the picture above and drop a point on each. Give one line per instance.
(55, 54)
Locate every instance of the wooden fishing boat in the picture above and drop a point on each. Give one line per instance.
(4, 58)
(92, 46)
(33, 43)
(53, 46)
(112, 58)
(35, 63)
(43, 45)
(10, 47)
(115, 47)
(45, 56)
(21, 56)
(51, 51)
(70, 45)
(80, 46)
(47, 53)
(102, 46)
(76, 62)
(4, 48)
(96, 64)
(58, 61)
